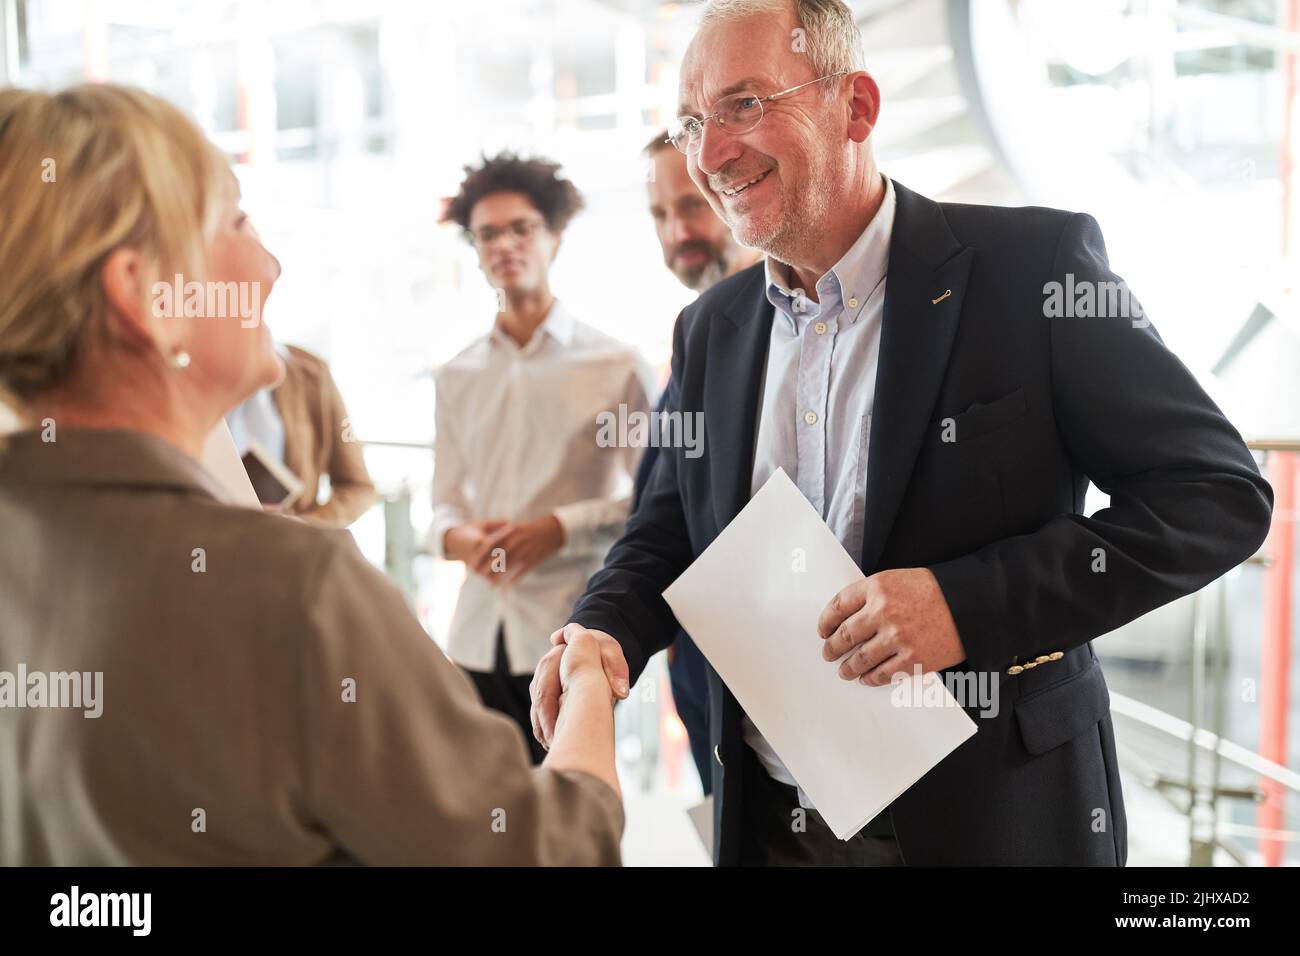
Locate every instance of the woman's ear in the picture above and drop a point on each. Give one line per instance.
(129, 316)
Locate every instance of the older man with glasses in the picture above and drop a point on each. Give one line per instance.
(896, 357)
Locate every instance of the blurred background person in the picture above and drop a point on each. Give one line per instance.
(303, 423)
(264, 694)
(523, 493)
(699, 249)
(698, 246)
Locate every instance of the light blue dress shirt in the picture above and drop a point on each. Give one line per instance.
(818, 392)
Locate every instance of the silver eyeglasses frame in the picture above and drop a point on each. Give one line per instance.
(688, 132)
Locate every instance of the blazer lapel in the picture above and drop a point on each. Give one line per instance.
(737, 351)
(923, 297)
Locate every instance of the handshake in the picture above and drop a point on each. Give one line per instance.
(886, 624)
(581, 662)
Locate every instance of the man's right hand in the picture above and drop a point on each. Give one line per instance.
(546, 686)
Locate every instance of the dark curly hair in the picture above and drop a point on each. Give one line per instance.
(557, 199)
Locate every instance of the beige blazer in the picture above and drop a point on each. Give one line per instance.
(266, 697)
(317, 441)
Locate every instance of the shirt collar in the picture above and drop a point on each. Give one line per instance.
(851, 281)
(558, 324)
(101, 457)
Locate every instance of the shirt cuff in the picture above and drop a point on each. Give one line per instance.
(574, 519)
(438, 532)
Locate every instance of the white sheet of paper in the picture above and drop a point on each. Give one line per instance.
(751, 602)
(221, 459)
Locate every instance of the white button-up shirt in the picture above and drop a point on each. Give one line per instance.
(820, 385)
(517, 431)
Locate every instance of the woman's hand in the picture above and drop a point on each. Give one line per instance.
(579, 706)
(581, 662)
(590, 661)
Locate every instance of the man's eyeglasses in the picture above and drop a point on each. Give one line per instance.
(737, 113)
(519, 229)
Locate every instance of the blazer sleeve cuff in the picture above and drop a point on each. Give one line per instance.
(611, 807)
(975, 590)
(444, 520)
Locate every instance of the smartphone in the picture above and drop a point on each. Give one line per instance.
(274, 484)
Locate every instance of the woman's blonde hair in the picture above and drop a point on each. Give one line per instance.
(82, 173)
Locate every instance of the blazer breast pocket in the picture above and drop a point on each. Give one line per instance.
(982, 418)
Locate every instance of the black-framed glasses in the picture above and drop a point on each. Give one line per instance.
(737, 113)
(518, 229)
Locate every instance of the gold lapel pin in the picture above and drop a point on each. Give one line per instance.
(945, 295)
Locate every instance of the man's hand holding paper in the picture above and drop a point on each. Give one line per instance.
(891, 622)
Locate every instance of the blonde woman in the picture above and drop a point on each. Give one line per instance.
(182, 681)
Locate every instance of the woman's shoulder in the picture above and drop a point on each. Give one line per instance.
(278, 551)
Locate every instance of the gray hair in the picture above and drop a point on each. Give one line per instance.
(830, 33)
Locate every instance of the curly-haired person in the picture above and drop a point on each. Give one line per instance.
(527, 490)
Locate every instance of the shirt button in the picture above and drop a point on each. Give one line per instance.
(810, 418)
(820, 328)
(853, 303)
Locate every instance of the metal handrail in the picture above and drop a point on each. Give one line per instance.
(1235, 753)
(416, 445)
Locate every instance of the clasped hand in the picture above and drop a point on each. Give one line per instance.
(578, 653)
(499, 551)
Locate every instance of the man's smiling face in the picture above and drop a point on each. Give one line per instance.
(773, 184)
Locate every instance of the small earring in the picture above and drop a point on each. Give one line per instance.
(179, 359)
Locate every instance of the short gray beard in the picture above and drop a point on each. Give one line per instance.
(799, 228)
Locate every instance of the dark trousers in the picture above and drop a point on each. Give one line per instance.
(508, 693)
(773, 834)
